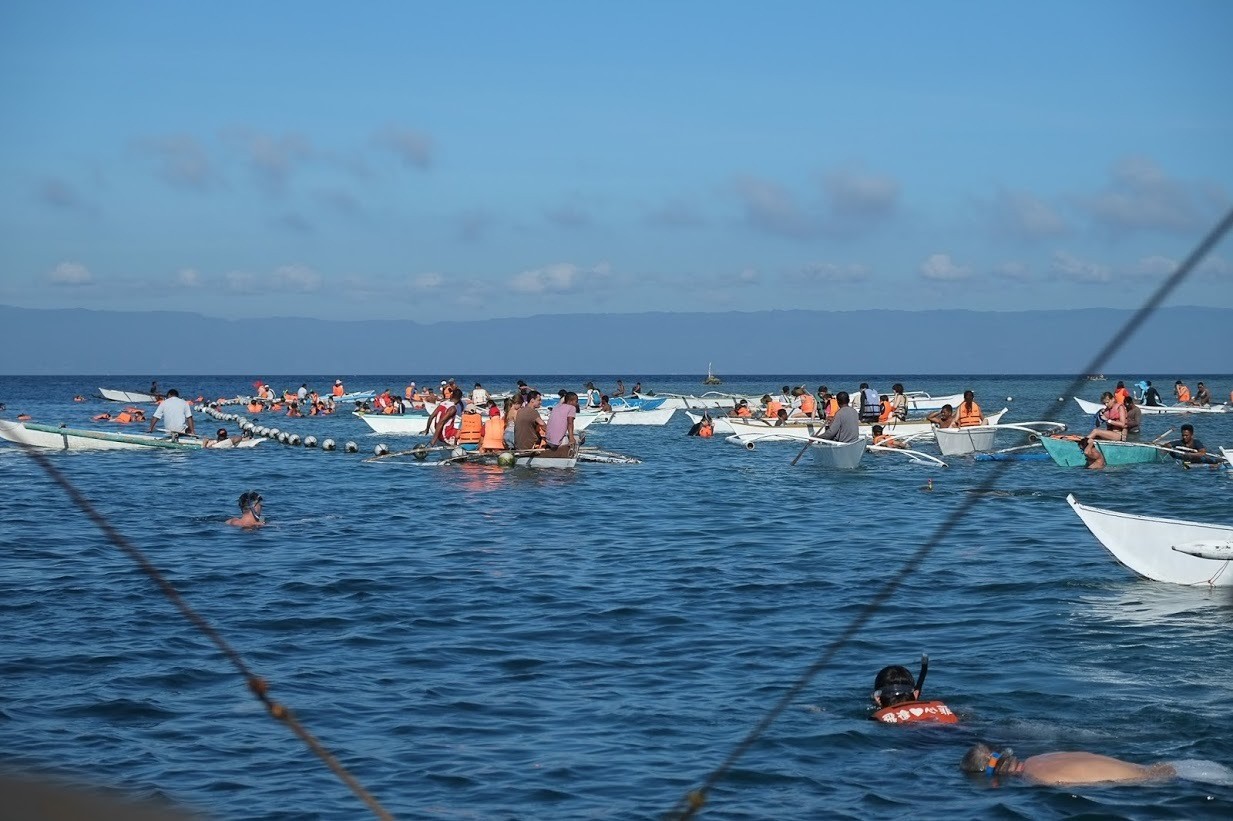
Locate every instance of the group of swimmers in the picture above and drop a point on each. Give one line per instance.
(897, 700)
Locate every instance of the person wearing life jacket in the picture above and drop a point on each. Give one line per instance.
(968, 413)
(896, 697)
(871, 406)
(471, 428)
(1120, 393)
(885, 440)
(254, 406)
(742, 410)
(338, 389)
(805, 405)
(773, 407)
(706, 428)
(494, 430)
(409, 392)
(888, 410)
(1181, 392)
(123, 417)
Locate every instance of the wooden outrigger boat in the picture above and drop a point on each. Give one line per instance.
(1068, 453)
(802, 429)
(1149, 410)
(60, 438)
(841, 455)
(1164, 550)
(980, 438)
(131, 397)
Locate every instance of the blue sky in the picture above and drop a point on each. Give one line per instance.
(430, 161)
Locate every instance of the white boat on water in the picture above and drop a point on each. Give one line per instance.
(803, 429)
(710, 399)
(981, 438)
(924, 403)
(131, 397)
(1149, 410)
(1158, 548)
(1227, 453)
(397, 424)
(59, 438)
(841, 455)
(636, 416)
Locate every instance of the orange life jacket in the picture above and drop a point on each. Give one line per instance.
(916, 711)
(1183, 393)
(706, 431)
(472, 430)
(124, 417)
(887, 410)
(969, 416)
(832, 407)
(494, 433)
(1120, 395)
(744, 412)
(772, 409)
(338, 390)
(808, 406)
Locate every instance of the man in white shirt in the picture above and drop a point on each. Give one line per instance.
(177, 415)
(479, 396)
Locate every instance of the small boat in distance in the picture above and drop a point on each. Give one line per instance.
(711, 378)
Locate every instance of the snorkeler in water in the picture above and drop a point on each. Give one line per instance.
(1062, 768)
(896, 695)
(250, 511)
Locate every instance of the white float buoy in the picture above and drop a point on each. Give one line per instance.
(351, 447)
(381, 450)
(310, 441)
(328, 444)
(274, 431)
(282, 438)
(293, 439)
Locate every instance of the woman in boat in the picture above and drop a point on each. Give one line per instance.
(250, 511)
(1114, 417)
(1058, 769)
(899, 403)
(968, 414)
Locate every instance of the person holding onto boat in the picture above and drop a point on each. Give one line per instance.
(1181, 392)
(845, 426)
(1193, 451)
(706, 428)
(968, 413)
(177, 415)
(250, 510)
(885, 440)
(559, 433)
(529, 429)
(944, 417)
(221, 440)
(1151, 396)
(1062, 768)
(896, 697)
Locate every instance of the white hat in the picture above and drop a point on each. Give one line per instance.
(443, 382)
(337, 381)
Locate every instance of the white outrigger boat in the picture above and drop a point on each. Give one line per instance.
(980, 438)
(1227, 453)
(841, 455)
(802, 429)
(1149, 410)
(1164, 550)
(635, 416)
(131, 397)
(61, 438)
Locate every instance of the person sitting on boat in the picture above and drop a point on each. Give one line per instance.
(968, 413)
(871, 406)
(559, 433)
(785, 397)
(845, 426)
(529, 426)
(803, 406)
(177, 415)
(444, 420)
(470, 428)
(885, 439)
(1193, 451)
(899, 403)
(250, 511)
(1133, 417)
(494, 429)
(338, 389)
(943, 418)
(637, 388)
(1181, 392)
(1202, 396)
(742, 410)
(896, 697)
(770, 407)
(605, 406)
(620, 389)
(887, 409)
(1114, 418)
(1061, 768)
(593, 396)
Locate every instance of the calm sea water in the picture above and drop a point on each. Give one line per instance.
(480, 643)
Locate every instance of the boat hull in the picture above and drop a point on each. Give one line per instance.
(1145, 545)
(806, 429)
(49, 436)
(1068, 454)
(131, 397)
(842, 456)
(962, 441)
(1151, 410)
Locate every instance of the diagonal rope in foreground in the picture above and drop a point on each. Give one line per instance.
(255, 683)
(693, 801)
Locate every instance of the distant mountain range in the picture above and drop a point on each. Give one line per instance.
(78, 341)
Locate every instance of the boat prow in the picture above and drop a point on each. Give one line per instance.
(1145, 544)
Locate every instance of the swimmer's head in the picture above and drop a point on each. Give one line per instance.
(249, 499)
(983, 759)
(893, 685)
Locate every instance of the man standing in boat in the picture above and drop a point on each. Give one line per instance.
(177, 415)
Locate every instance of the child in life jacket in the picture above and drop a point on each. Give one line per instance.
(896, 695)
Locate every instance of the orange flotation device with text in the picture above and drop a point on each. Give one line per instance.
(912, 712)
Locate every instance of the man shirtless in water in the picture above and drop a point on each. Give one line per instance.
(1062, 768)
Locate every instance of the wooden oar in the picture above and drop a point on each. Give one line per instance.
(808, 442)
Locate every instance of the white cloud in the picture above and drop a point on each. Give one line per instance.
(563, 277)
(1140, 196)
(241, 282)
(1071, 267)
(1023, 215)
(771, 208)
(428, 282)
(189, 278)
(70, 274)
(941, 267)
(297, 278)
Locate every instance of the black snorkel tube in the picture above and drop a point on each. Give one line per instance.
(924, 671)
